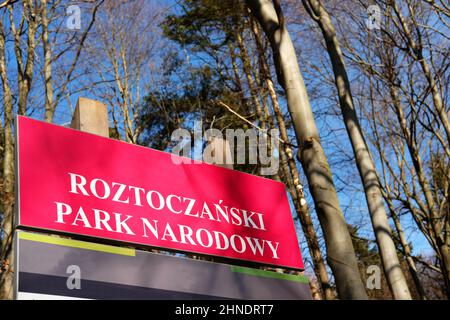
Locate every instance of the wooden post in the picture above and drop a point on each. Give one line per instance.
(217, 145)
(222, 146)
(91, 116)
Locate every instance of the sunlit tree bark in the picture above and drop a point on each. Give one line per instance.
(340, 252)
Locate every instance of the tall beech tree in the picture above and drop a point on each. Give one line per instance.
(340, 252)
(289, 167)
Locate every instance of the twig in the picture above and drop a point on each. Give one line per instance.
(426, 264)
(239, 116)
(252, 124)
(7, 3)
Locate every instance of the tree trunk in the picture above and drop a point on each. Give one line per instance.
(407, 251)
(340, 251)
(49, 107)
(292, 175)
(6, 256)
(364, 162)
(26, 72)
(251, 83)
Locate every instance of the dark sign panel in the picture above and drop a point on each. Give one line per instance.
(51, 267)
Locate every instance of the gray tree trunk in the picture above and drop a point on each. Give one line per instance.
(290, 168)
(364, 162)
(6, 256)
(340, 252)
(49, 106)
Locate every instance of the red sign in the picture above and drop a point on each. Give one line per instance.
(78, 183)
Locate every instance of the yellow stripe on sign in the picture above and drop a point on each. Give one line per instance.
(76, 244)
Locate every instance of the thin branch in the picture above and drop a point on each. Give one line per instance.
(250, 123)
